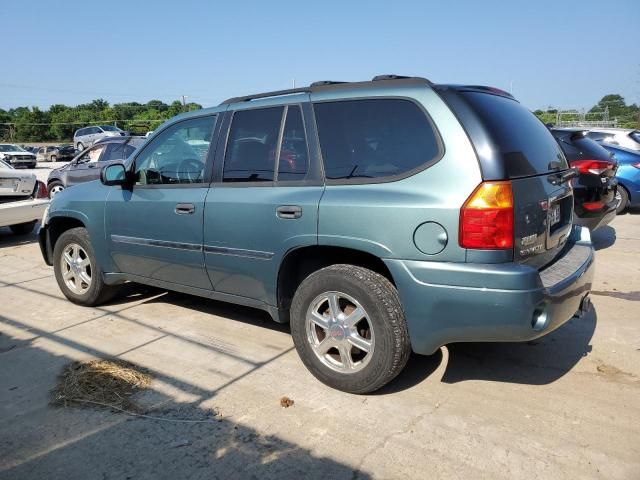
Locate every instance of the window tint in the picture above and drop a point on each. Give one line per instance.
(293, 162)
(526, 145)
(114, 151)
(251, 148)
(177, 155)
(374, 138)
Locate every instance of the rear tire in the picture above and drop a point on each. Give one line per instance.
(624, 200)
(77, 271)
(53, 158)
(23, 228)
(328, 337)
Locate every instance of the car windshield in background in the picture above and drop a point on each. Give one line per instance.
(11, 148)
(109, 128)
(635, 136)
(527, 146)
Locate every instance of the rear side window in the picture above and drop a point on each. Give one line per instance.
(114, 151)
(374, 138)
(526, 145)
(293, 162)
(251, 148)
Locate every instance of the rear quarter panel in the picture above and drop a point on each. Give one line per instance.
(381, 218)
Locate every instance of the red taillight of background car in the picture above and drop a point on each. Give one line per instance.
(637, 165)
(486, 218)
(41, 190)
(595, 167)
(591, 206)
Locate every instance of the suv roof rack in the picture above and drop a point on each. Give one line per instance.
(320, 85)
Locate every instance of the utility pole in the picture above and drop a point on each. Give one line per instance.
(184, 103)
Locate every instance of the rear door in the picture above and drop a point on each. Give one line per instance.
(264, 200)
(512, 144)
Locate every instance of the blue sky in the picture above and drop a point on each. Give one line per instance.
(562, 53)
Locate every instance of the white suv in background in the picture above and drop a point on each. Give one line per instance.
(87, 136)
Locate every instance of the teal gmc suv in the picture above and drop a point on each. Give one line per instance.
(377, 218)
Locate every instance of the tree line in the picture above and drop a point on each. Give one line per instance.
(610, 107)
(59, 122)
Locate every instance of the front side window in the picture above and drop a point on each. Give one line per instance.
(92, 155)
(251, 148)
(374, 138)
(177, 155)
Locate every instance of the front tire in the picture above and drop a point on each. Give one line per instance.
(77, 271)
(53, 158)
(23, 228)
(54, 188)
(349, 329)
(624, 200)
(79, 146)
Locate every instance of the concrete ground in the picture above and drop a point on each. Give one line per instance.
(564, 406)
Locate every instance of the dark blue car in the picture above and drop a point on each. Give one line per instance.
(628, 176)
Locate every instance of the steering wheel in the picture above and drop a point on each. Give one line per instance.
(191, 170)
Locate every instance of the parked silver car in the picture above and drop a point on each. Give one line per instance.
(624, 137)
(86, 137)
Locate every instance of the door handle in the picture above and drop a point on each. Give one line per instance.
(289, 211)
(91, 165)
(185, 208)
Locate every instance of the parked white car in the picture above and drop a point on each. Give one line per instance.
(624, 137)
(17, 156)
(23, 199)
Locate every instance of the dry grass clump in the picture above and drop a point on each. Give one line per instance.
(106, 383)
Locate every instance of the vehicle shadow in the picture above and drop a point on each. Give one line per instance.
(10, 239)
(537, 362)
(603, 237)
(164, 439)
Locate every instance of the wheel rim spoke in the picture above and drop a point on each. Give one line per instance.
(345, 356)
(325, 345)
(68, 258)
(359, 342)
(320, 320)
(354, 317)
(334, 307)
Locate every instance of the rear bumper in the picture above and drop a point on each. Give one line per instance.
(446, 302)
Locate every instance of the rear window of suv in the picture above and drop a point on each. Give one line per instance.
(525, 143)
(374, 138)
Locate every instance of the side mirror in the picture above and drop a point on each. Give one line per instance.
(114, 174)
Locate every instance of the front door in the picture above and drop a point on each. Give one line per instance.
(259, 208)
(86, 167)
(155, 228)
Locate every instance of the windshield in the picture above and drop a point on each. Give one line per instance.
(109, 128)
(635, 136)
(5, 166)
(11, 148)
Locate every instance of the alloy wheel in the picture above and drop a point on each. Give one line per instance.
(76, 268)
(339, 332)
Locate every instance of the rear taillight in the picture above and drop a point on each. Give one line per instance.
(486, 218)
(596, 167)
(637, 165)
(41, 190)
